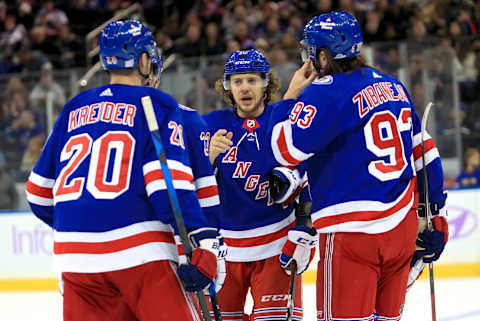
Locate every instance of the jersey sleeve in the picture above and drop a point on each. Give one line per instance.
(305, 188)
(292, 141)
(437, 196)
(41, 181)
(176, 152)
(198, 139)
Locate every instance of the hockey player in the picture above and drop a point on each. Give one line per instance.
(357, 130)
(99, 184)
(258, 226)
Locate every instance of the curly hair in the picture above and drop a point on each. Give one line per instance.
(271, 90)
(339, 66)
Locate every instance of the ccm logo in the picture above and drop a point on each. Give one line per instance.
(307, 242)
(274, 297)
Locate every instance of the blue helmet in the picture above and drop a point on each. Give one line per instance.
(123, 42)
(246, 61)
(337, 31)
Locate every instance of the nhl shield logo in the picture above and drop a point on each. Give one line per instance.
(250, 124)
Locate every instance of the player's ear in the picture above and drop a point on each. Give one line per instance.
(145, 63)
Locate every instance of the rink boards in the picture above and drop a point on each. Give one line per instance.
(26, 246)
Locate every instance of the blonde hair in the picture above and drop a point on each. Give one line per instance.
(271, 90)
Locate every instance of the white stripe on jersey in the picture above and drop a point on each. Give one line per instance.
(40, 180)
(259, 231)
(429, 157)
(267, 241)
(94, 263)
(281, 151)
(137, 228)
(372, 226)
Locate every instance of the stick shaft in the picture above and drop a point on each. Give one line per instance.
(291, 294)
(172, 195)
(428, 213)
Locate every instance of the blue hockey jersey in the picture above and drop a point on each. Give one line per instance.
(253, 226)
(197, 138)
(99, 183)
(361, 139)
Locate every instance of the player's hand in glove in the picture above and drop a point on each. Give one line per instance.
(300, 246)
(202, 269)
(429, 246)
(221, 267)
(301, 241)
(284, 184)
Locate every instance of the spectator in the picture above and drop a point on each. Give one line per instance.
(242, 35)
(202, 97)
(213, 43)
(209, 10)
(8, 192)
(12, 35)
(470, 176)
(50, 16)
(371, 28)
(25, 14)
(33, 152)
(190, 44)
(21, 130)
(165, 42)
(71, 47)
(45, 87)
(283, 66)
(232, 46)
(42, 43)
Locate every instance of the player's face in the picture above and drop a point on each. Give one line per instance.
(248, 92)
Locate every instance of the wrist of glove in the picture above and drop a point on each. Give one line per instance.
(284, 184)
(202, 269)
(430, 244)
(300, 246)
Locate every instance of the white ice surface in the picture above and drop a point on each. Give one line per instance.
(457, 299)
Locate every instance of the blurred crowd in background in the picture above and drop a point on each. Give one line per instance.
(42, 41)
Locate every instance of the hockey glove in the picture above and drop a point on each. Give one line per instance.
(221, 267)
(284, 184)
(202, 269)
(300, 246)
(429, 246)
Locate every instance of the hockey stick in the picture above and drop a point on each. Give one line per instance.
(291, 291)
(428, 213)
(302, 211)
(172, 195)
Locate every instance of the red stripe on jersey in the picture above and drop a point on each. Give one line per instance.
(180, 249)
(206, 192)
(36, 190)
(283, 148)
(258, 240)
(112, 246)
(417, 150)
(366, 215)
(177, 175)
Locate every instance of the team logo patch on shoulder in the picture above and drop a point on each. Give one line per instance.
(325, 80)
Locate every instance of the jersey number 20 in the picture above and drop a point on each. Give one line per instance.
(383, 138)
(78, 147)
